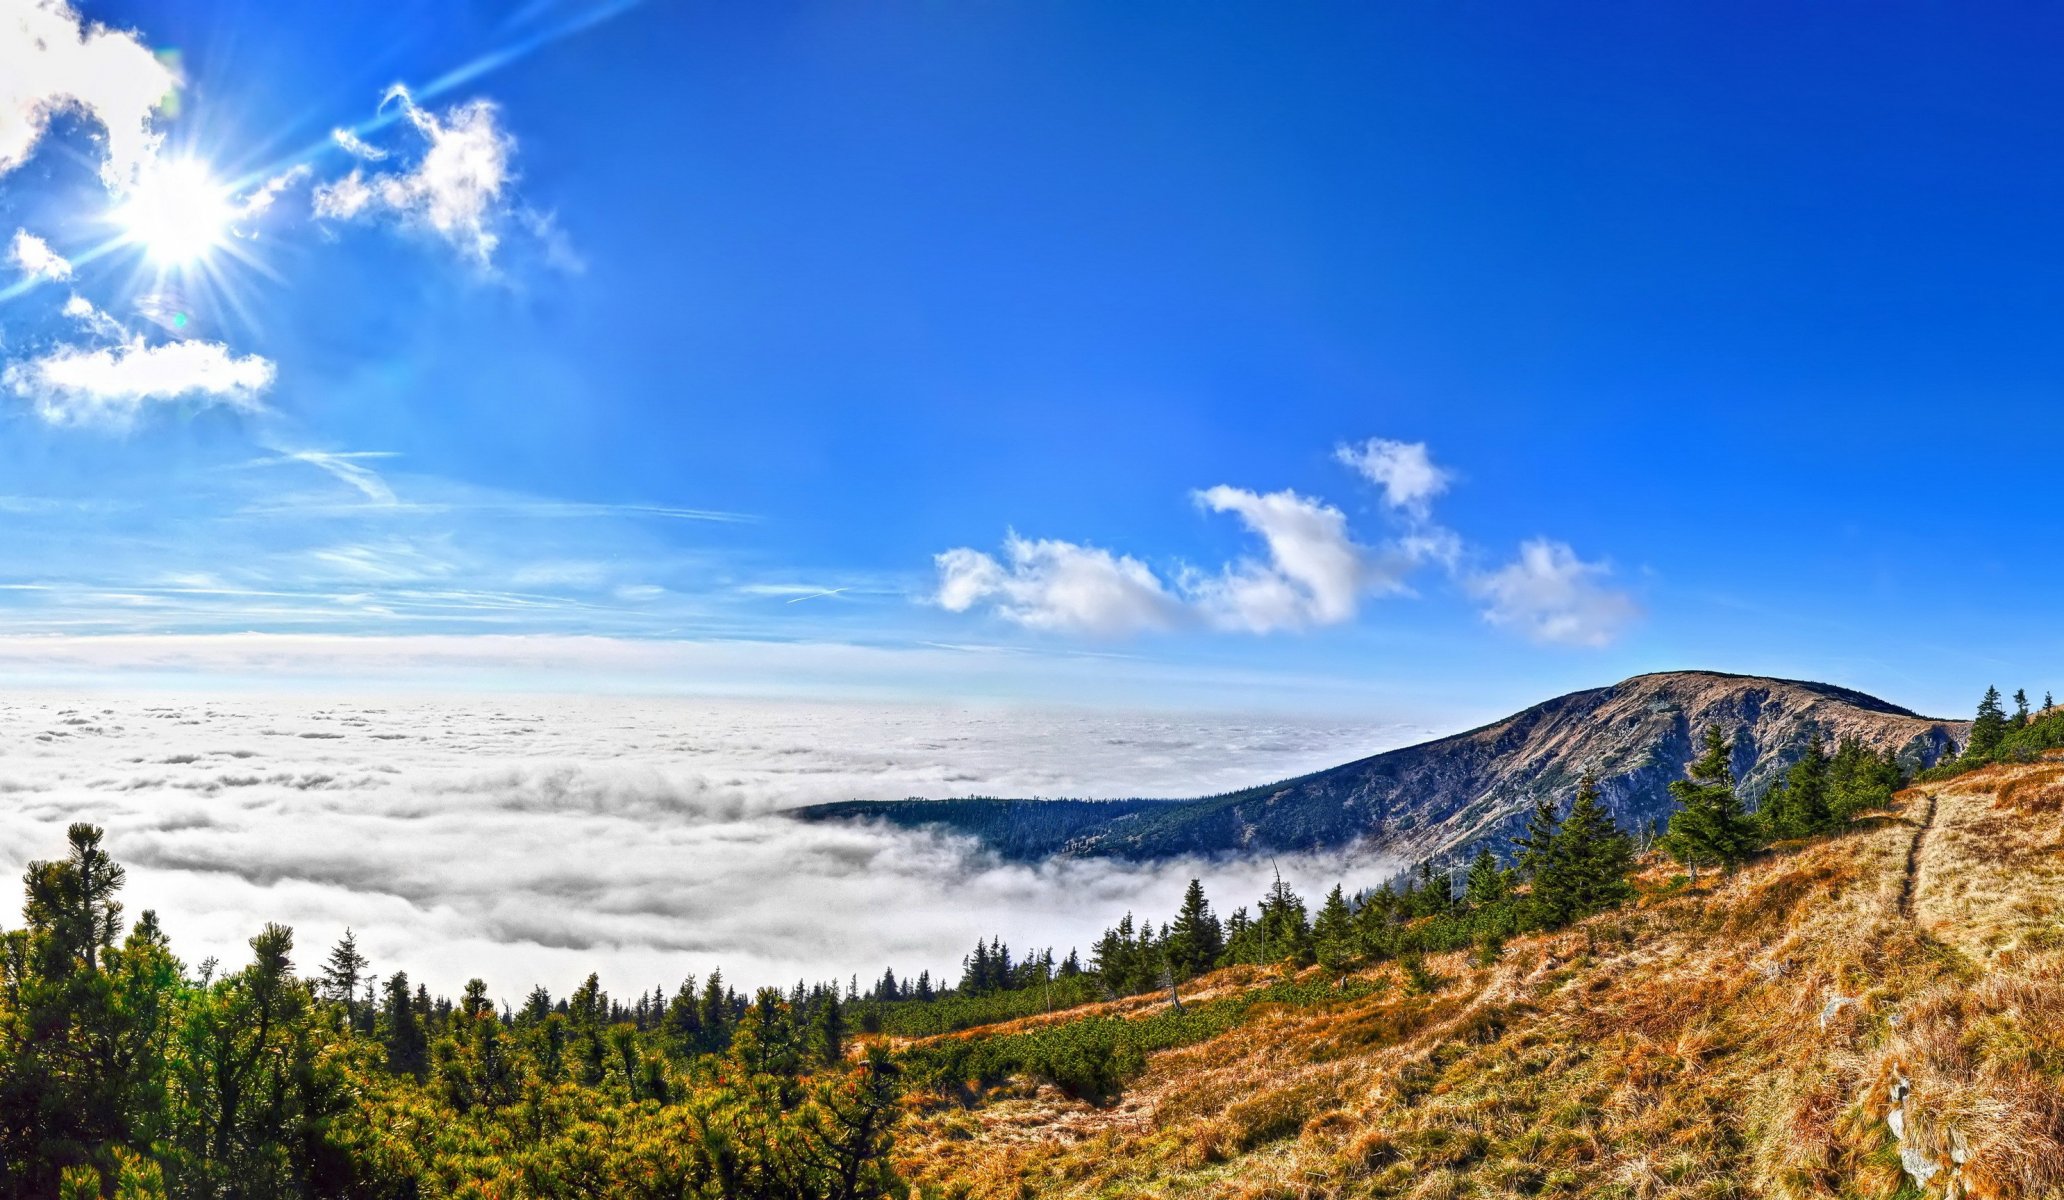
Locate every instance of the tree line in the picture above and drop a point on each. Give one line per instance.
(125, 1073)
(2000, 736)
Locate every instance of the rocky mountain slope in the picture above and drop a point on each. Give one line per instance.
(1879, 1013)
(1442, 797)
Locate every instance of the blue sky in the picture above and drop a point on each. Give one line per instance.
(1711, 336)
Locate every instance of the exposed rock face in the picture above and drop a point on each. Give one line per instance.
(1443, 797)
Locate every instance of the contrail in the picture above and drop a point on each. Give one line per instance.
(814, 595)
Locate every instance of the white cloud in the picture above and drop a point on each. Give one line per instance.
(1550, 595)
(1404, 470)
(74, 385)
(455, 190)
(1056, 585)
(260, 200)
(1316, 573)
(356, 146)
(52, 62)
(35, 257)
(80, 309)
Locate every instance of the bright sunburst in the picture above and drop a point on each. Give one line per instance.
(178, 213)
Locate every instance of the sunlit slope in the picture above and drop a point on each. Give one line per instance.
(1855, 1016)
(1450, 794)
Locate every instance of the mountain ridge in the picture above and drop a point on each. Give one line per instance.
(1439, 798)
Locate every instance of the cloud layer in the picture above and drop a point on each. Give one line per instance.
(531, 841)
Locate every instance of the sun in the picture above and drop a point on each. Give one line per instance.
(177, 212)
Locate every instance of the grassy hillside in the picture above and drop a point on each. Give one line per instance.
(1859, 1015)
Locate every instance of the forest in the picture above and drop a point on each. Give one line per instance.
(126, 1072)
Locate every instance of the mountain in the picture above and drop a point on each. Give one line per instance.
(1442, 797)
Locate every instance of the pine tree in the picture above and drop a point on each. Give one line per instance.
(74, 902)
(2020, 708)
(1709, 827)
(1987, 730)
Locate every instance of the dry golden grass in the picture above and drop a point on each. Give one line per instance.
(1749, 1039)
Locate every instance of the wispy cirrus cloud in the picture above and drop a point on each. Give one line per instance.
(1550, 595)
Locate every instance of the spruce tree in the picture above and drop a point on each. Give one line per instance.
(1333, 934)
(1195, 940)
(1532, 846)
(829, 1035)
(1487, 886)
(343, 971)
(1591, 858)
(1285, 930)
(1709, 827)
(407, 1046)
(1987, 730)
(1801, 804)
(2020, 708)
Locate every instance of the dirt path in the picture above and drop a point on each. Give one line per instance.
(1911, 882)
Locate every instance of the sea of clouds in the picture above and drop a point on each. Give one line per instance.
(533, 840)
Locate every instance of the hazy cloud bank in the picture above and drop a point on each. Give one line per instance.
(529, 841)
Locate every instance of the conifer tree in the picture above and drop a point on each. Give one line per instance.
(1534, 843)
(1800, 805)
(716, 1012)
(1195, 940)
(1333, 934)
(1709, 827)
(1987, 730)
(1590, 860)
(2020, 708)
(684, 1015)
(829, 1035)
(1487, 885)
(407, 1046)
(1285, 930)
